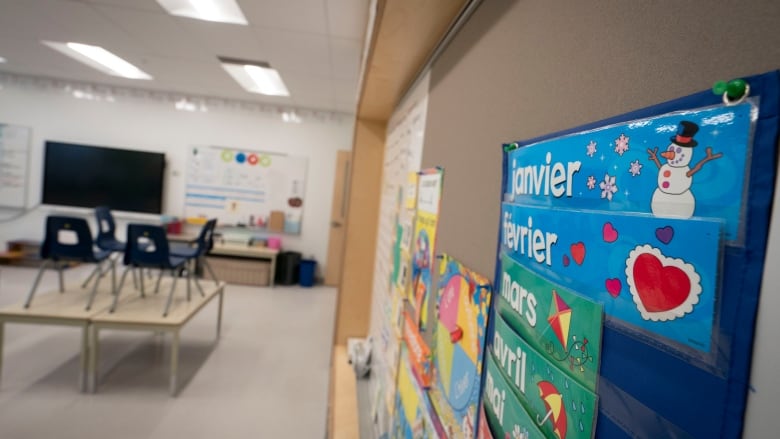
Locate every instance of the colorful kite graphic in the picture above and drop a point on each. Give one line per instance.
(560, 319)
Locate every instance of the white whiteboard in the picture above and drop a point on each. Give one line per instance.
(240, 186)
(14, 157)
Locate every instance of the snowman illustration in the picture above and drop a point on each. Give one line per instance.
(673, 196)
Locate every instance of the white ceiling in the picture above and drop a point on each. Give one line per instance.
(316, 46)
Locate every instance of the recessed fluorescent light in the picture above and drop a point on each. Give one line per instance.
(99, 58)
(255, 77)
(223, 11)
(2, 60)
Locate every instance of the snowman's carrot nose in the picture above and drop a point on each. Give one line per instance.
(668, 155)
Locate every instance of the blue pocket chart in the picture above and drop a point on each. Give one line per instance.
(692, 160)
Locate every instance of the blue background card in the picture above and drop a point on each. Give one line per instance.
(657, 274)
(645, 165)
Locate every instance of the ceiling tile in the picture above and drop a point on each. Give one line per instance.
(345, 58)
(295, 52)
(143, 5)
(348, 18)
(221, 39)
(296, 15)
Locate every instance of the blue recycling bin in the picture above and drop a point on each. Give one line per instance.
(307, 269)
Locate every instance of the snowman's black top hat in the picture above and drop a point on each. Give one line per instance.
(685, 133)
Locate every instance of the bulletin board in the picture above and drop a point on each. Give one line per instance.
(682, 190)
(14, 159)
(246, 187)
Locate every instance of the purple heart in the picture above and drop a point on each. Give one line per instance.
(664, 234)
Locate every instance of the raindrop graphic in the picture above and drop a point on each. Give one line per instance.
(582, 428)
(582, 408)
(566, 383)
(574, 406)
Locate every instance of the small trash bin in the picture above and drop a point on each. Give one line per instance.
(308, 268)
(287, 268)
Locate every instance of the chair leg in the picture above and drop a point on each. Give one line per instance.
(189, 280)
(97, 271)
(35, 284)
(119, 289)
(89, 278)
(170, 295)
(142, 281)
(211, 272)
(197, 284)
(94, 287)
(62, 277)
(113, 276)
(159, 278)
(135, 281)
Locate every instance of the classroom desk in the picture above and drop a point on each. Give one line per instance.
(62, 309)
(145, 314)
(251, 252)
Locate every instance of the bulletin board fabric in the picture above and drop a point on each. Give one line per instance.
(244, 187)
(14, 158)
(649, 392)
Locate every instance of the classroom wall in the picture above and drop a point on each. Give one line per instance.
(155, 125)
(520, 69)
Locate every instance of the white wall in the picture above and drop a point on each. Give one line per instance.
(152, 124)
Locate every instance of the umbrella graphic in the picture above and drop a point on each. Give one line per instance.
(553, 400)
(560, 318)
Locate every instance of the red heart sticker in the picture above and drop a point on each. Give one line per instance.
(578, 252)
(660, 288)
(609, 233)
(613, 287)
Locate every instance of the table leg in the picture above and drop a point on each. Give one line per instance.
(174, 362)
(219, 313)
(2, 326)
(83, 372)
(273, 271)
(92, 372)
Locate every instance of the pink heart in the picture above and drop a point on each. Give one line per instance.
(566, 261)
(613, 287)
(609, 233)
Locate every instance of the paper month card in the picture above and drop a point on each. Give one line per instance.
(659, 275)
(560, 324)
(463, 305)
(683, 164)
(560, 406)
(414, 417)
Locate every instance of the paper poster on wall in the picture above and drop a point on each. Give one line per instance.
(14, 156)
(463, 303)
(428, 194)
(684, 164)
(414, 417)
(245, 187)
(558, 323)
(560, 406)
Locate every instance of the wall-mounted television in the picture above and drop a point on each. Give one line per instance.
(89, 176)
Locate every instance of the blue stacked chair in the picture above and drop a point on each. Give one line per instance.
(203, 245)
(60, 247)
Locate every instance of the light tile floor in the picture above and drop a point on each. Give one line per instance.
(266, 378)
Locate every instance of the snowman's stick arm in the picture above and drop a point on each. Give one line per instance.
(653, 155)
(710, 156)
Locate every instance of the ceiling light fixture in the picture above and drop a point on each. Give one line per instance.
(255, 76)
(100, 59)
(222, 11)
(2, 60)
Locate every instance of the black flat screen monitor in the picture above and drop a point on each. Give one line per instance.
(89, 176)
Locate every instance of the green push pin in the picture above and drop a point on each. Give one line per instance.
(736, 88)
(719, 88)
(510, 146)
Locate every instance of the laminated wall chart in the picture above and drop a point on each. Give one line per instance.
(660, 218)
(14, 157)
(240, 186)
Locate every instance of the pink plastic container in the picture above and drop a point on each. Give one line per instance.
(274, 242)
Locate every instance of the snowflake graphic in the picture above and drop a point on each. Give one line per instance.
(608, 187)
(591, 148)
(621, 144)
(635, 168)
(591, 182)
